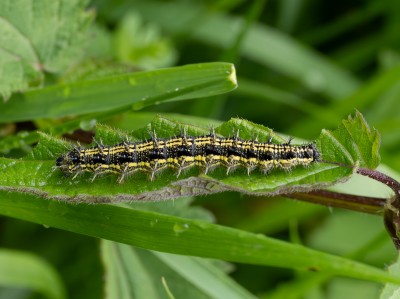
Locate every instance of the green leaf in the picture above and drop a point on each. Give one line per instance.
(52, 183)
(355, 141)
(24, 270)
(180, 208)
(94, 69)
(186, 277)
(177, 235)
(37, 36)
(351, 144)
(124, 282)
(121, 92)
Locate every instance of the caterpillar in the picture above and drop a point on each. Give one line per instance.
(183, 152)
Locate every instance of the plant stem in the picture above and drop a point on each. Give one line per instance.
(383, 178)
(371, 205)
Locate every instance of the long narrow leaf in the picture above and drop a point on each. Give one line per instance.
(136, 90)
(136, 273)
(177, 235)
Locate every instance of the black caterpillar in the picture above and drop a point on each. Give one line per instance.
(185, 151)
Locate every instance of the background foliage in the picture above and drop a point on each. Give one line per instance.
(301, 66)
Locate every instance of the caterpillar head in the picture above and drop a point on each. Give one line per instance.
(69, 162)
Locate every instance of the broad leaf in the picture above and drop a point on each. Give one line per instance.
(352, 144)
(38, 36)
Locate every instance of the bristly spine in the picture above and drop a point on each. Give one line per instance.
(183, 152)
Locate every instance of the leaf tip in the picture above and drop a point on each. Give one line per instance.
(232, 76)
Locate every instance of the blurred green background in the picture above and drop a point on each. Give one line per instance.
(302, 66)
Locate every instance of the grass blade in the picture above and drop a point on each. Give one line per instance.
(139, 89)
(177, 235)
